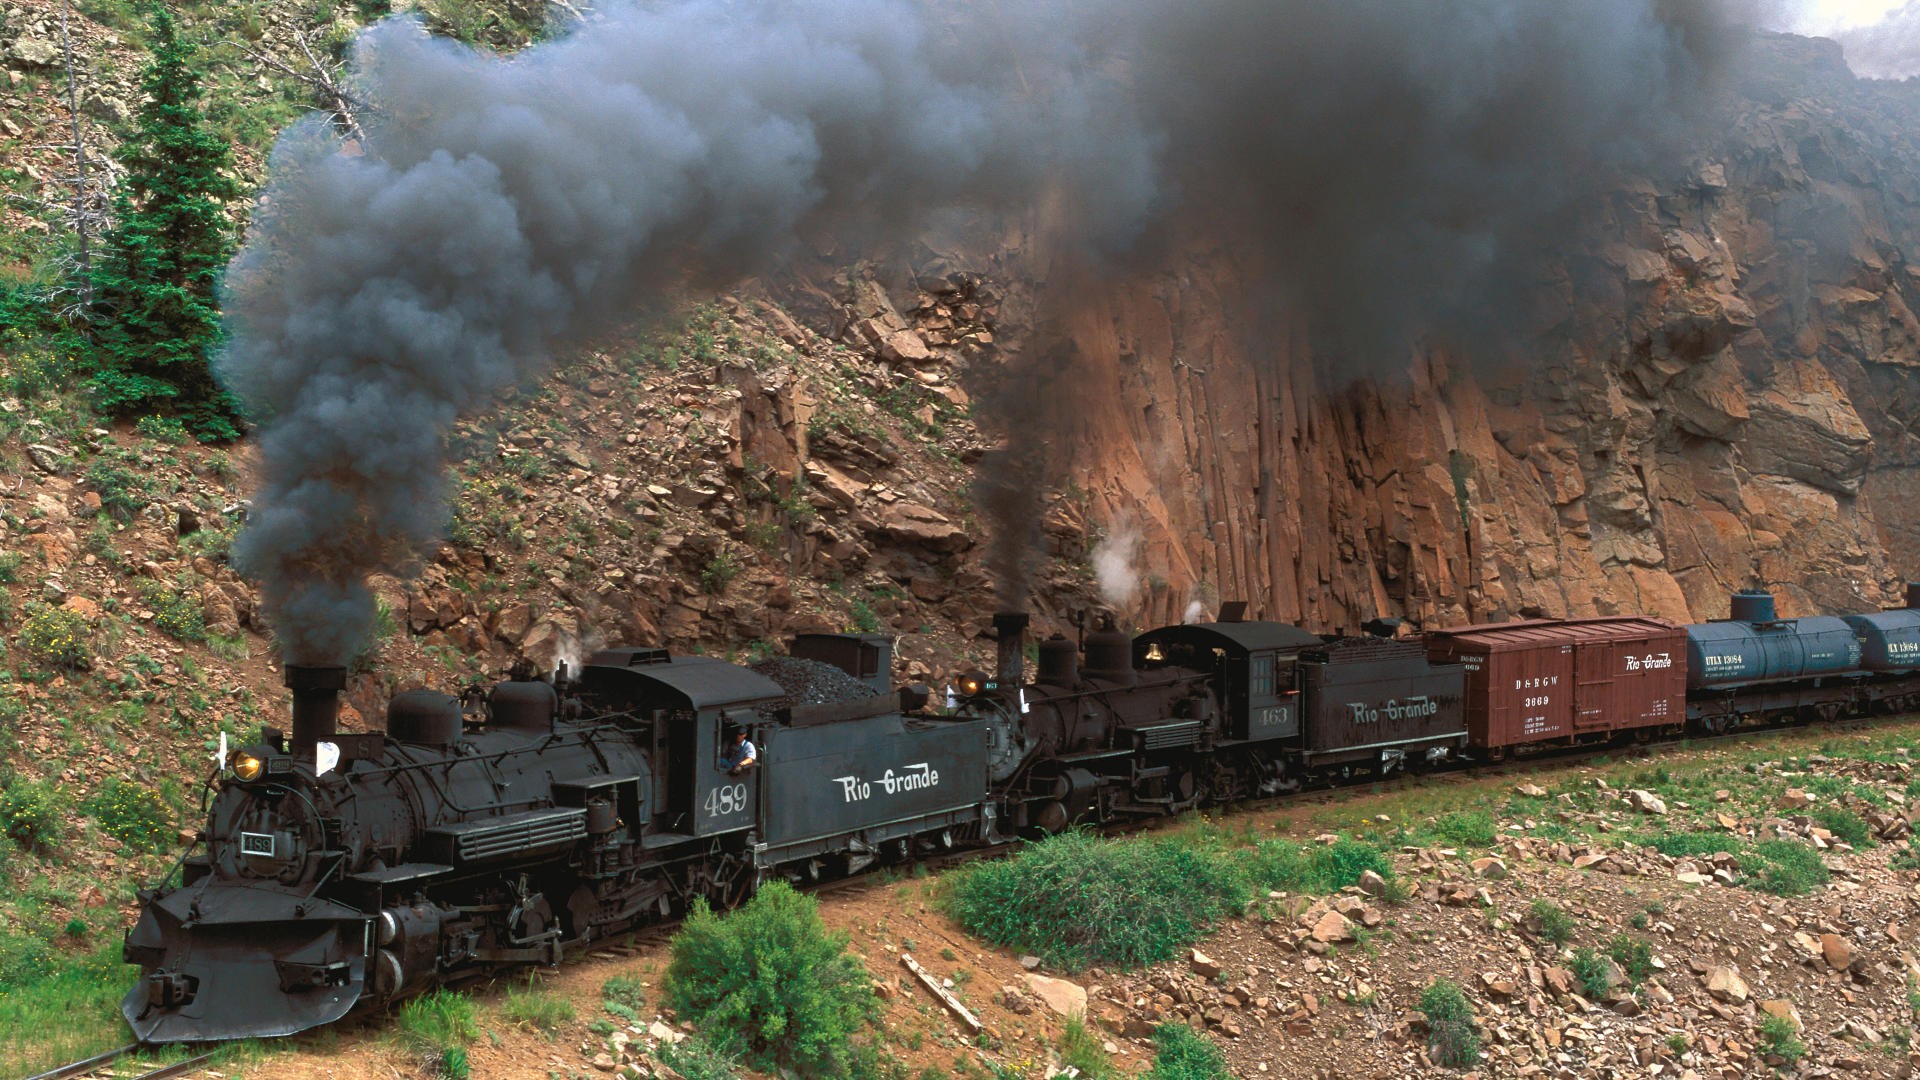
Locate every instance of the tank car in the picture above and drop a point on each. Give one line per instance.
(1755, 665)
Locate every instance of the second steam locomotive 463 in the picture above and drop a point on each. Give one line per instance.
(338, 871)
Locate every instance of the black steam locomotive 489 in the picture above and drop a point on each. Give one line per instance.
(340, 871)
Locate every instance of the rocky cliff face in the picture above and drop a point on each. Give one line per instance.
(1721, 391)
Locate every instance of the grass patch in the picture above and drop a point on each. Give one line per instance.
(1466, 828)
(1317, 868)
(1080, 1049)
(440, 1025)
(1634, 956)
(31, 814)
(1844, 824)
(1592, 970)
(1181, 1053)
(54, 1008)
(1077, 900)
(623, 996)
(541, 1010)
(133, 814)
(1450, 1032)
(1782, 868)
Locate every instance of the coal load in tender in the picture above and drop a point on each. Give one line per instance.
(810, 682)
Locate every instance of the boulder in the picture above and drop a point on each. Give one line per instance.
(1725, 984)
(1333, 927)
(35, 52)
(1203, 965)
(1646, 802)
(1838, 954)
(1064, 997)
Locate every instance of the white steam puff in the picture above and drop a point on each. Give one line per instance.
(498, 209)
(1114, 566)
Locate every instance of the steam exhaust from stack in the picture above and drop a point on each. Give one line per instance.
(316, 703)
(495, 211)
(1010, 638)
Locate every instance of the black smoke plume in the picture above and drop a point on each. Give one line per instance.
(1389, 159)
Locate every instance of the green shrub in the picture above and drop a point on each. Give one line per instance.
(57, 638)
(30, 813)
(164, 429)
(772, 980)
(177, 612)
(1844, 824)
(122, 491)
(1450, 1032)
(134, 815)
(697, 1058)
(1467, 828)
(1783, 868)
(1778, 1039)
(719, 573)
(1591, 969)
(10, 567)
(1181, 1053)
(1555, 924)
(24, 960)
(1077, 900)
(1634, 956)
(440, 1025)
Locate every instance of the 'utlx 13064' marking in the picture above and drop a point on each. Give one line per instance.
(915, 777)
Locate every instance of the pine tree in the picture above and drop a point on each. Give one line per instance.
(154, 319)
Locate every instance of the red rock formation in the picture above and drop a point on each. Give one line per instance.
(1722, 393)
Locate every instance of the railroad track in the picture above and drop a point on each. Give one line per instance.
(89, 1066)
(660, 933)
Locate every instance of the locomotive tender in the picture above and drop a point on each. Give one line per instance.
(340, 870)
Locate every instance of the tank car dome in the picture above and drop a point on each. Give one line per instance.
(1752, 605)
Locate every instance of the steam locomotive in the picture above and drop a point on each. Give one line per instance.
(341, 870)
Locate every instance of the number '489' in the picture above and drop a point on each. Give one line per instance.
(726, 799)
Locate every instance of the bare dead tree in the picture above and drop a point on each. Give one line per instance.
(320, 74)
(79, 212)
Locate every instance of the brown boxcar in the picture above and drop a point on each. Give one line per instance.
(1565, 680)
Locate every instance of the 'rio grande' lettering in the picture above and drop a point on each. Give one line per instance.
(1414, 708)
(915, 777)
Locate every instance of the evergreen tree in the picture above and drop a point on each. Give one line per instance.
(154, 321)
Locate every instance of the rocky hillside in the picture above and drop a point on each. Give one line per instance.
(1719, 392)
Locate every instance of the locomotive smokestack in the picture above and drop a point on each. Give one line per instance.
(316, 703)
(1913, 594)
(1010, 630)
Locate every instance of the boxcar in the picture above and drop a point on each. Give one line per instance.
(1558, 681)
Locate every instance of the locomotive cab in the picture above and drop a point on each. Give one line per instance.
(688, 702)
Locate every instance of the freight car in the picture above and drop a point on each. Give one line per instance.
(1550, 683)
(339, 871)
(1756, 667)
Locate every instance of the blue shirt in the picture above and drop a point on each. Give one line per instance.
(734, 757)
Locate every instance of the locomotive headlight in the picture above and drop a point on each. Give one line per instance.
(245, 766)
(972, 683)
